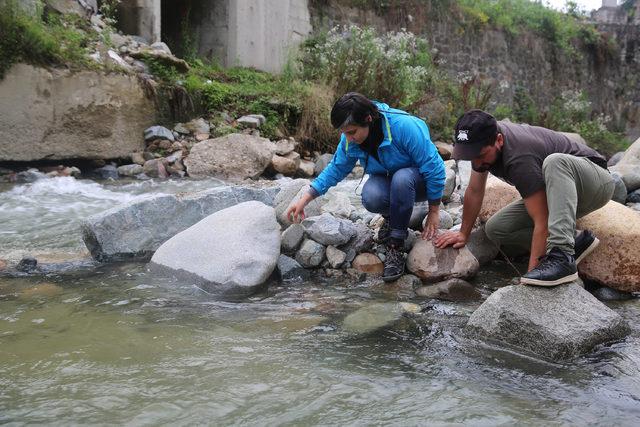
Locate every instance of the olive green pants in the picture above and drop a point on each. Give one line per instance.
(575, 186)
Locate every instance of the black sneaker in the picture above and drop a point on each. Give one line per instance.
(384, 232)
(393, 264)
(555, 268)
(585, 243)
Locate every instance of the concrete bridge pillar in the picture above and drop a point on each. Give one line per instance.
(141, 18)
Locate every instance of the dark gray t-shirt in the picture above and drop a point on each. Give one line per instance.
(525, 148)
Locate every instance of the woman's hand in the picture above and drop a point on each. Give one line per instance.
(295, 212)
(431, 224)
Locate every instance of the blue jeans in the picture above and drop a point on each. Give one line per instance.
(394, 196)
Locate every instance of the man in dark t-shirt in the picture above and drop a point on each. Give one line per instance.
(559, 180)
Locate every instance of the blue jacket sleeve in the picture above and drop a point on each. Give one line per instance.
(336, 170)
(415, 139)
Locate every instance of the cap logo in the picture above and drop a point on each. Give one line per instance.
(463, 135)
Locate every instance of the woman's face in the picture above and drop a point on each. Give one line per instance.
(355, 133)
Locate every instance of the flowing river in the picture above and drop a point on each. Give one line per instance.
(109, 344)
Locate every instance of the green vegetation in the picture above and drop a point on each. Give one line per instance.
(44, 39)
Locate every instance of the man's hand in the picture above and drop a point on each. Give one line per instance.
(450, 238)
(431, 224)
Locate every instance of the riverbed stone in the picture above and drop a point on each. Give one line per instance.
(155, 168)
(291, 237)
(613, 160)
(107, 172)
(449, 183)
(285, 146)
(368, 263)
(481, 246)
(450, 290)
(291, 270)
(158, 132)
(445, 221)
(605, 293)
(633, 197)
(497, 195)
(284, 165)
(362, 241)
(335, 257)
(27, 264)
(376, 316)
(290, 192)
(556, 323)
(130, 170)
(232, 157)
(310, 254)
(337, 204)
(432, 264)
(229, 253)
(138, 158)
(136, 229)
(616, 261)
(329, 230)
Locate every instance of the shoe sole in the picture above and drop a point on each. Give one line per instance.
(589, 249)
(549, 283)
(392, 278)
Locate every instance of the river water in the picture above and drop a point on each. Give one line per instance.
(111, 344)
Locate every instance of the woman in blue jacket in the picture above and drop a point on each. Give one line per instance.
(404, 167)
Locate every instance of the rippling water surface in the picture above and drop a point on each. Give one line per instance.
(115, 345)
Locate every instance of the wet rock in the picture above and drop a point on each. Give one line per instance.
(368, 263)
(135, 230)
(450, 290)
(130, 170)
(30, 175)
(27, 265)
(283, 165)
(377, 316)
(107, 172)
(290, 192)
(329, 230)
(230, 253)
(432, 264)
(620, 191)
(481, 247)
(306, 168)
(556, 323)
(291, 237)
(232, 157)
(403, 288)
(335, 257)
(291, 270)
(322, 163)
(356, 275)
(155, 169)
(605, 293)
(310, 254)
(158, 132)
(497, 195)
(285, 146)
(616, 261)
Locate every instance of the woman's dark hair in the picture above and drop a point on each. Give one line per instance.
(352, 109)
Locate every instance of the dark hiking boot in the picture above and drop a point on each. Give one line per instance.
(384, 232)
(555, 268)
(393, 263)
(585, 243)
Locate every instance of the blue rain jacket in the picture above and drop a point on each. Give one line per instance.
(406, 143)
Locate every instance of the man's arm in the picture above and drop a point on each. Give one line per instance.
(473, 197)
(537, 209)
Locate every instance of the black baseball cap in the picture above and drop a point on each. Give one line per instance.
(473, 131)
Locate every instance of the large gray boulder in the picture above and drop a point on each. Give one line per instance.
(230, 253)
(135, 230)
(58, 114)
(555, 323)
(232, 157)
(329, 230)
